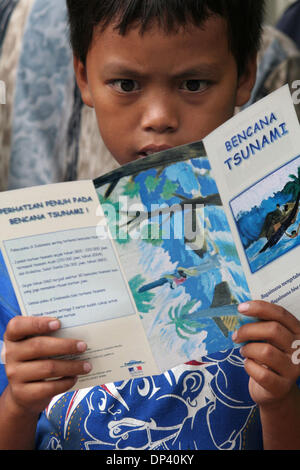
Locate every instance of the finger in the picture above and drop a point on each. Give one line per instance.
(273, 358)
(268, 331)
(266, 378)
(45, 346)
(36, 371)
(44, 391)
(266, 311)
(23, 327)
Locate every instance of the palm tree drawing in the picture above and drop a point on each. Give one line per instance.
(292, 188)
(183, 325)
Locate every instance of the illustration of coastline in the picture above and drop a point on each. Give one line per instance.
(267, 216)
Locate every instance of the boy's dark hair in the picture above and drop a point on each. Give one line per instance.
(244, 19)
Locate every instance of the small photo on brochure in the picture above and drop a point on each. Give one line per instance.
(267, 215)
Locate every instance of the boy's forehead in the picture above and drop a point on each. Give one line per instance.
(209, 39)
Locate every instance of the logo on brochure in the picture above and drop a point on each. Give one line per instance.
(134, 367)
(135, 371)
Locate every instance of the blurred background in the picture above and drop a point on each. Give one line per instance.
(275, 8)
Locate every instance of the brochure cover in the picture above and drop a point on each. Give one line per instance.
(152, 276)
(258, 175)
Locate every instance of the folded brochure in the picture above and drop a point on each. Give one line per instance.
(152, 276)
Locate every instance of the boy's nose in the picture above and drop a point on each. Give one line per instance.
(160, 115)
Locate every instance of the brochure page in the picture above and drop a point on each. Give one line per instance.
(152, 276)
(255, 158)
(177, 252)
(60, 268)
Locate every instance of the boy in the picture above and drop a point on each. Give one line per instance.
(159, 74)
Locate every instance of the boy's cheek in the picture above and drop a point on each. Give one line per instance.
(246, 83)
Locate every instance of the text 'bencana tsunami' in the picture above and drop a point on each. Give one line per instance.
(255, 137)
(247, 143)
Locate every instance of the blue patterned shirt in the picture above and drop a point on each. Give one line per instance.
(191, 407)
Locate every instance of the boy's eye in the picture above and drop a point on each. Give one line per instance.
(194, 85)
(125, 85)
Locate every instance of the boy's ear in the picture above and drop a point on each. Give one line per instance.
(246, 82)
(82, 82)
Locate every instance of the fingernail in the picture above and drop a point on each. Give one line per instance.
(87, 367)
(234, 336)
(243, 308)
(54, 325)
(81, 346)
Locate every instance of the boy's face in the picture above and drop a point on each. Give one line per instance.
(159, 90)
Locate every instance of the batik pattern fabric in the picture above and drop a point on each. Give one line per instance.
(191, 407)
(48, 135)
(43, 102)
(13, 19)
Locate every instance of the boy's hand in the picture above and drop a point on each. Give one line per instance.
(268, 356)
(29, 361)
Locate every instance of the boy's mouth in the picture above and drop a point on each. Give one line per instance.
(151, 149)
